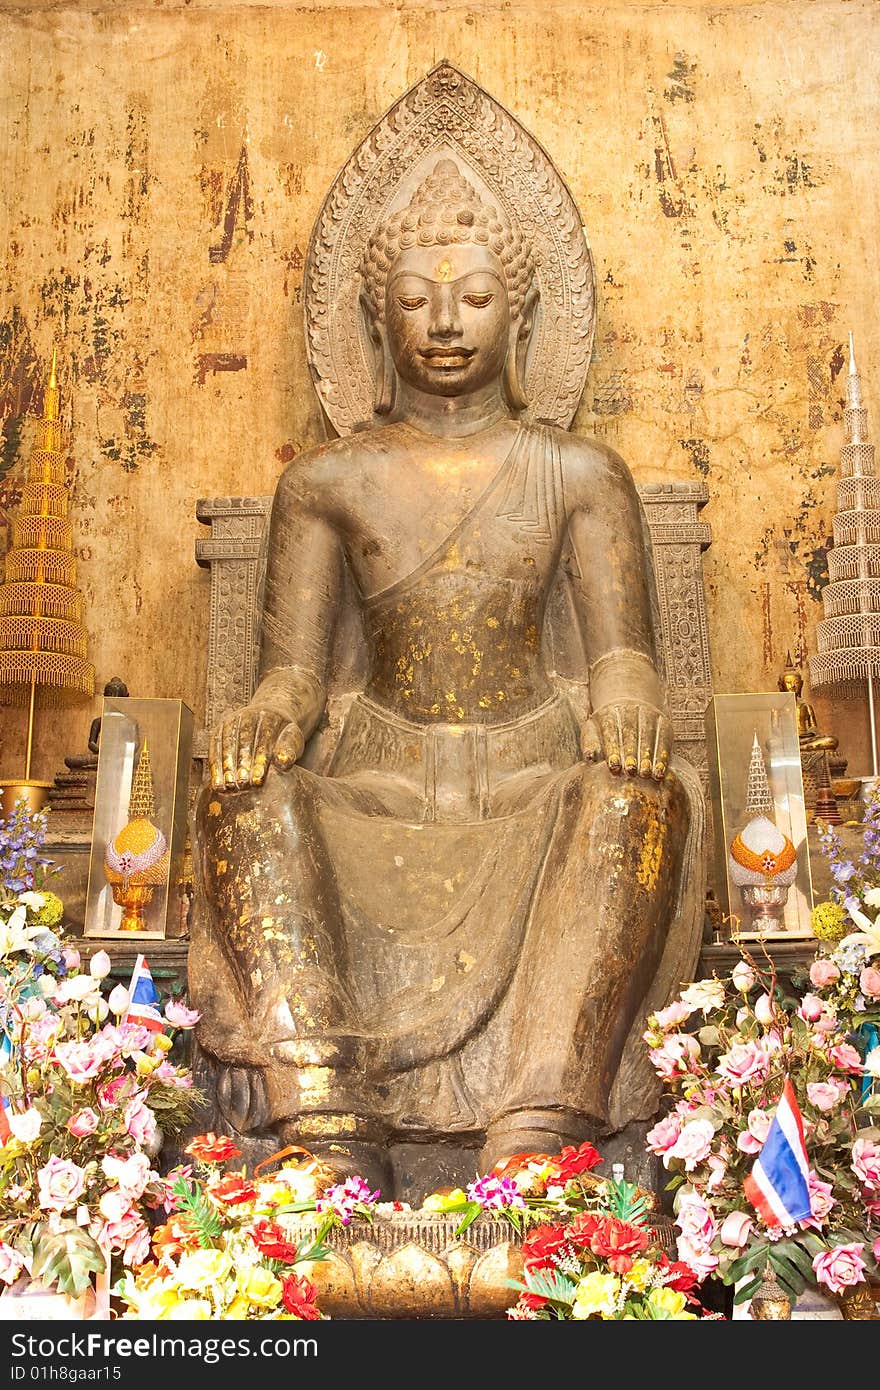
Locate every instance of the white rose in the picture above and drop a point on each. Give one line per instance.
(25, 1127)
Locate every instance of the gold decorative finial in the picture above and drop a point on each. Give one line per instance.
(141, 805)
(52, 395)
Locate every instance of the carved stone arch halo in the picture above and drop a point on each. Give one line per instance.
(447, 115)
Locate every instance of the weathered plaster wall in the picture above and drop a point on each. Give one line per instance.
(161, 170)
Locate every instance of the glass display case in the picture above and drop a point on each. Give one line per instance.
(139, 830)
(762, 859)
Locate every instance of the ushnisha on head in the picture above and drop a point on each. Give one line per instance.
(449, 293)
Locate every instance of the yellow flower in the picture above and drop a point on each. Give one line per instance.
(199, 1267)
(596, 1293)
(259, 1286)
(445, 1201)
(638, 1276)
(162, 1042)
(145, 1064)
(152, 1300)
(238, 1308)
(828, 921)
(670, 1302)
(191, 1310)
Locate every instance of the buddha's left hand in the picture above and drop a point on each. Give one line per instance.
(633, 738)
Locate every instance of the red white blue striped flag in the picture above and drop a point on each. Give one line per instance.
(778, 1186)
(143, 999)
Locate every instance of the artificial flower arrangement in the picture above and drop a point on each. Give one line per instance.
(723, 1049)
(230, 1251)
(83, 1092)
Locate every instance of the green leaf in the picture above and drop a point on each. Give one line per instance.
(787, 1273)
(203, 1215)
(472, 1211)
(67, 1259)
(798, 1255)
(746, 1263)
(744, 1294)
(550, 1284)
(624, 1201)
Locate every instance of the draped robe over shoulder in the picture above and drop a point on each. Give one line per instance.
(494, 898)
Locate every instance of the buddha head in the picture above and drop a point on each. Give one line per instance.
(448, 294)
(791, 679)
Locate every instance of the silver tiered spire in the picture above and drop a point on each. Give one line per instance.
(848, 637)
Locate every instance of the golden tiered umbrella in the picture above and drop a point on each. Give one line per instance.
(137, 860)
(43, 643)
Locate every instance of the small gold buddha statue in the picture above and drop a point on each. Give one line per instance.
(811, 737)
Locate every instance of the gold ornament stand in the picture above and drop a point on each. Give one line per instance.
(42, 638)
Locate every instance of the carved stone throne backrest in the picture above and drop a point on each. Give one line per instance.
(678, 538)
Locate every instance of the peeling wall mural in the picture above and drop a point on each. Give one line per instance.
(163, 166)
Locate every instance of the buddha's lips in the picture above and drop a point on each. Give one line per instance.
(448, 356)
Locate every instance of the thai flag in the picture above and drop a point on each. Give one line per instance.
(5, 1102)
(778, 1186)
(143, 997)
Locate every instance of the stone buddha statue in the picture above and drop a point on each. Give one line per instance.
(444, 860)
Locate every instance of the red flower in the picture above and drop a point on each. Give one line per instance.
(573, 1161)
(516, 1162)
(172, 1239)
(271, 1241)
(212, 1148)
(233, 1189)
(580, 1230)
(540, 1247)
(298, 1296)
(683, 1278)
(616, 1241)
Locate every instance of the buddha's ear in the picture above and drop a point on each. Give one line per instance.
(515, 366)
(383, 363)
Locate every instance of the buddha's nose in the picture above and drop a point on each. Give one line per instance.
(445, 320)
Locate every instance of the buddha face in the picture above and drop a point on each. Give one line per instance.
(447, 316)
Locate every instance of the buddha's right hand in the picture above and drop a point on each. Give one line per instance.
(246, 742)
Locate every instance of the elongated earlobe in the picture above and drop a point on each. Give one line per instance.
(515, 365)
(384, 369)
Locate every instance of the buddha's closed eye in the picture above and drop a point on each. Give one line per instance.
(415, 302)
(479, 301)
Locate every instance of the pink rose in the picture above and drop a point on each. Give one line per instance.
(140, 1122)
(845, 1056)
(676, 1054)
(866, 1162)
(811, 1008)
(693, 1144)
(747, 1143)
(179, 1016)
(697, 1256)
(663, 1135)
(823, 973)
(83, 1123)
(674, 1013)
(129, 1234)
(695, 1218)
(110, 1093)
(759, 1123)
(869, 982)
(61, 1183)
(735, 1229)
(826, 1094)
(840, 1268)
(745, 1061)
(821, 1200)
(876, 1250)
(11, 1263)
(84, 1060)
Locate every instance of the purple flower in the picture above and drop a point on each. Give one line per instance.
(495, 1193)
(345, 1197)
